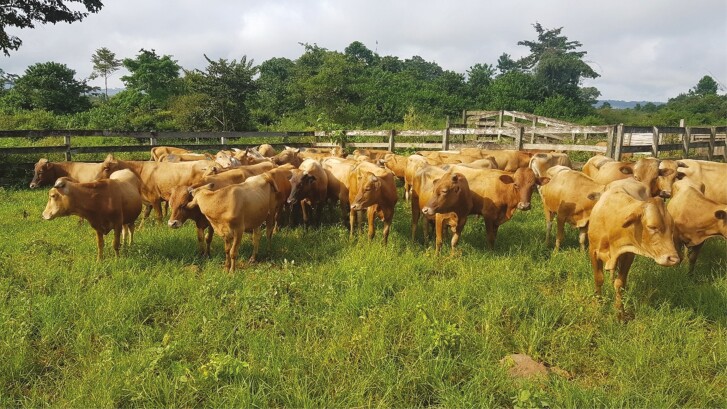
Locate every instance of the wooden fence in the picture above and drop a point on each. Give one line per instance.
(553, 136)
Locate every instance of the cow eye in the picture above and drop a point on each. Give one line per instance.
(444, 191)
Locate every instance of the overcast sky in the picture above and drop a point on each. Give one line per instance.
(643, 49)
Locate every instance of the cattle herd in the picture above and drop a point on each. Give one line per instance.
(620, 207)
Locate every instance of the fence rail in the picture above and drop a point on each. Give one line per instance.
(619, 139)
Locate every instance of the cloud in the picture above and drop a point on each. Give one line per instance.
(643, 50)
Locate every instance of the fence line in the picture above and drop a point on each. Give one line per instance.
(619, 138)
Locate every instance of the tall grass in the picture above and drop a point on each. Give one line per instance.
(322, 321)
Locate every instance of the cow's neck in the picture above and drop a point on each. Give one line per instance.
(85, 199)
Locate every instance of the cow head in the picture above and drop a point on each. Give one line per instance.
(108, 166)
(656, 174)
(180, 210)
(368, 192)
(289, 155)
(524, 182)
(42, 173)
(653, 231)
(449, 193)
(58, 205)
(226, 160)
(301, 186)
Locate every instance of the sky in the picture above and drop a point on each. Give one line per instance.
(644, 50)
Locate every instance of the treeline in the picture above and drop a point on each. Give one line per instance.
(328, 90)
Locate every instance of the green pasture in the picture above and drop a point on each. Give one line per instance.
(321, 321)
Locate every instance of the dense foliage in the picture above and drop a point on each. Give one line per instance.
(327, 89)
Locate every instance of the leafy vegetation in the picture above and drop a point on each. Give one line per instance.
(353, 89)
(322, 321)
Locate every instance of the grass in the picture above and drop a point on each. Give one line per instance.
(324, 322)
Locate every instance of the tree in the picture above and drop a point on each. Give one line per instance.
(104, 64)
(155, 76)
(479, 80)
(25, 14)
(229, 88)
(706, 86)
(49, 86)
(275, 90)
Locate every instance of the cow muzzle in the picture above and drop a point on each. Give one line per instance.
(174, 224)
(428, 210)
(47, 216)
(668, 260)
(356, 207)
(523, 206)
(33, 185)
(665, 194)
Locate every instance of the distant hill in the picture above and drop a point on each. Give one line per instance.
(619, 104)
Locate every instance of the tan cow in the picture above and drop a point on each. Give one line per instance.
(373, 154)
(696, 218)
(184, 157)
(541, 162)
(309, 187)
(375, 191)
(224, 177)
(395, 163)
(622, 226)
(605, 170)
(109, 204)
(46, 172)
(508, 160)
(338, 171)
(267, 150)
(157, 178)
(180, 212)
(711, 174)
(450, 203)
(288, 155)
(497, 194)
(158, 151)
(413, 164)
(569, 196)
(235, 209)
(422, 189)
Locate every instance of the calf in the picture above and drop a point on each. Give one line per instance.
(623, 225)
(696, 218)
(45, 172)
(109, 204)
(450, 203)
(235, 209)
(375, 191)
(569, 196)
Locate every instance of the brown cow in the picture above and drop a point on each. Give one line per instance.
(235, 209)
(267, 150)
(395, 163)
(605, 170)
(46, 172)
(109, 204)
(496, 194)
(413, 164)
(622, 226)
(233, 175)
(373, 154)
(281, 176)
(422, 189)
(338, 172)
(450, 203)
(157, 178)
(696, 218)
(508, 160)
(179, 200)
(570, 196)
(158, 151)
(288, 155)
(309, 186)
(375, 191)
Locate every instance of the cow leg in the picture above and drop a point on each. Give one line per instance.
(371, 217)
(269, 232)
(414, 218)
(438, 226)
(99, 245)
(597, 266)
(548, 226)
(234, 247)
(426, 226)
(693, 254)
(582, 235)
(255, 244)
(491, 228)
(388, 217)
(623, 264)
(456, 232)
(228, 242)
(158, 210)
(200, 240)
(560, 236)
(351, 222)
(210, 233)
(304, 209)
(117, 239)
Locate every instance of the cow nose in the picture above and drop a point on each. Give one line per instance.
(523, 206)
(427, 210)
(33, 185)
(668, 260)
(174, 224)
(355, 206)
(46, 216)
(291, 200)
(665, 194)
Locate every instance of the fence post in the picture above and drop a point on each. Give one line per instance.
(619, 141)
(712, 135)
(445, 138)
(67, 142)
(519, 132)
(223, 140)
(532, 135)
(392, 135)
(152, 138)
(655, 142)
(610, 141)
(686, 138)
(500, 119)
(464, 117)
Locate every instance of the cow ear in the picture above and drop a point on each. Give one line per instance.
(594, 196)
(681, 164)
(311, 178)
(633, 217)
(543, 180)
(626, 170)
(455, 178)
(721, 214)
(506, 179)
(192, 203)
(541, 155)
(665, 172)
(681, 175)
(271, 181)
